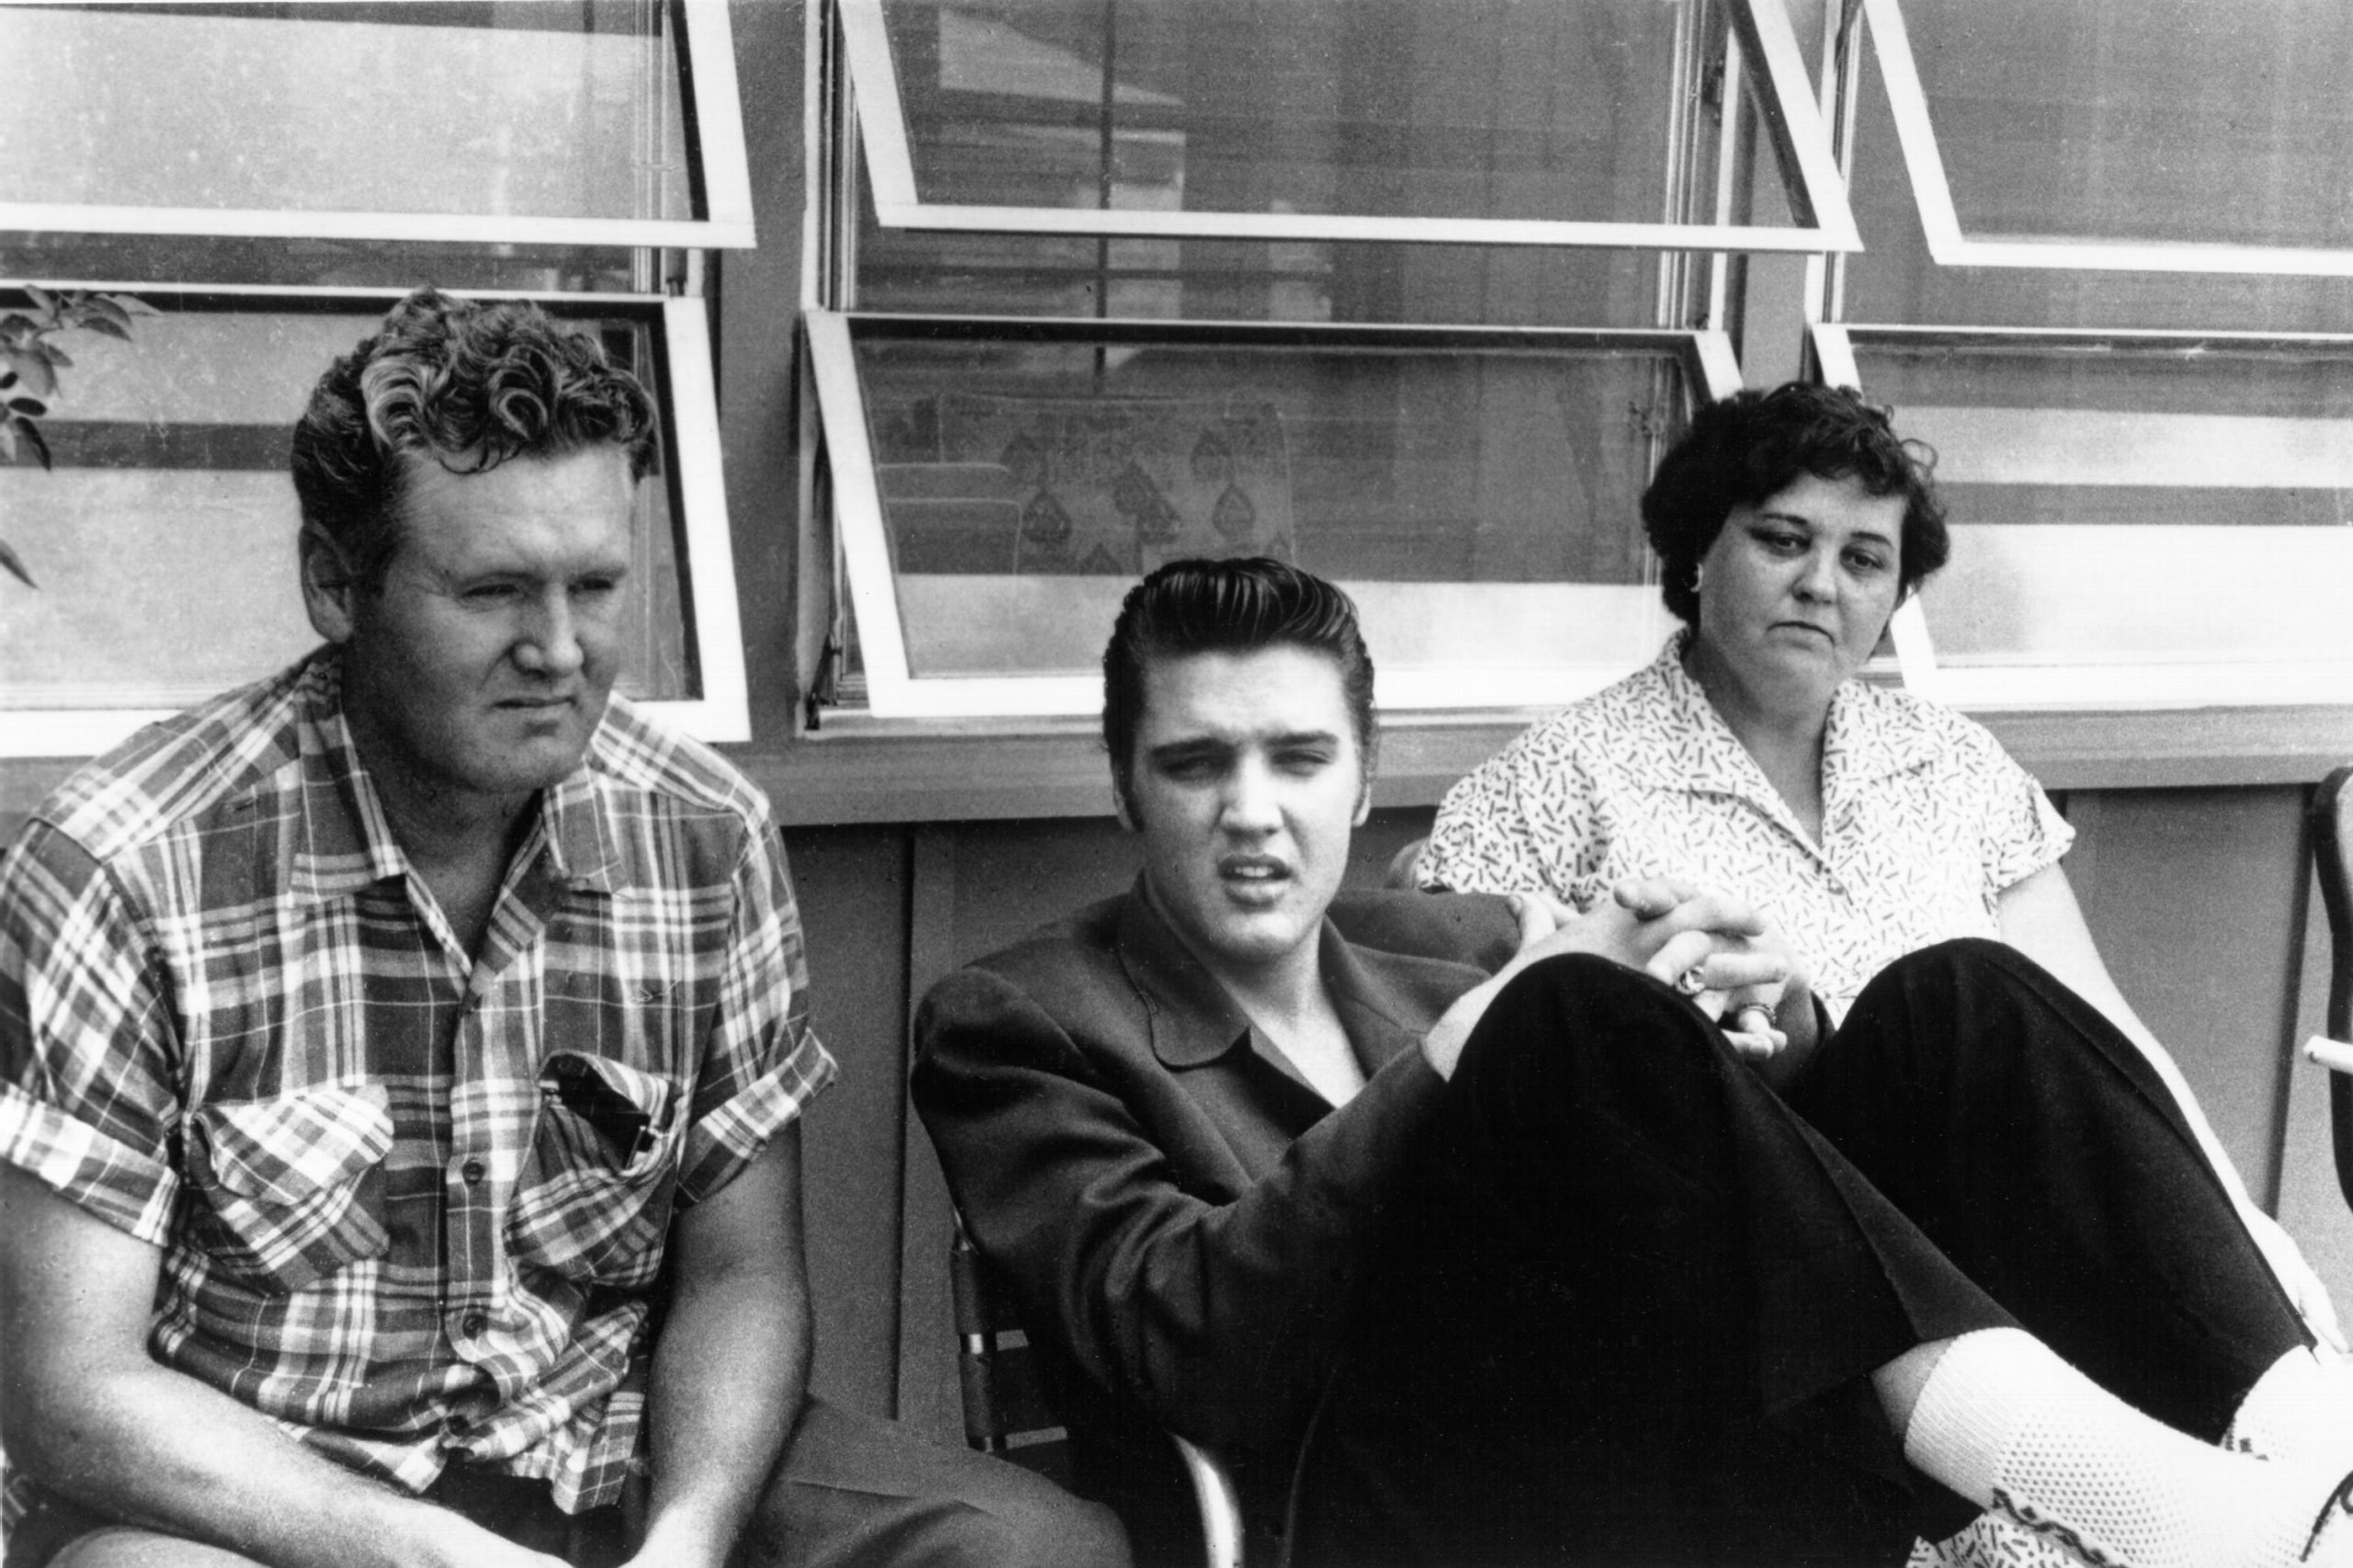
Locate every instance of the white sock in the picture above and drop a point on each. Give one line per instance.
(2006, 1423)
(2302, 1408)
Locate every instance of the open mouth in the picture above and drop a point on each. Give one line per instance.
(1252, 872)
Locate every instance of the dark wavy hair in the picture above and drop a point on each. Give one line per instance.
(1229, 606)
(1750, 447)
(466, 385)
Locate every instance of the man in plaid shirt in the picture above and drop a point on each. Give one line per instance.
(376, 1038)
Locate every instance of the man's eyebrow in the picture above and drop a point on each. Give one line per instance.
(1188, 748)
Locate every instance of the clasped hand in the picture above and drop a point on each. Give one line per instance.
(1737, 961)
(1733, 963)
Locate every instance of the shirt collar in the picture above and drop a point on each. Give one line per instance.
(1861, 745)
(1194, 1021)
(347, 840)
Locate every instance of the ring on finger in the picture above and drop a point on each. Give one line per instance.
(1754, 1018)
(1692, 981)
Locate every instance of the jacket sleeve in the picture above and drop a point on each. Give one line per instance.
(1219, 1319)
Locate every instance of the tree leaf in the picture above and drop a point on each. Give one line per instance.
(9, 559)
(8, 439)
(16, 323)
(43, 301)
(96, 308)
(54, 354)
(28, 405)
(109, 328)
(131, 304)
(33, 439)
(38, 379)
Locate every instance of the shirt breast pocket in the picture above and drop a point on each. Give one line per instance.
(594, 1196)
(285, 1190)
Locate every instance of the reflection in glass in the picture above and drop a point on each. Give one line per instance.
(164, 539)
(2119, 502)
(498, 268)
(1459, 109)
(528, 110)
(2198, 120)
(1479, 499)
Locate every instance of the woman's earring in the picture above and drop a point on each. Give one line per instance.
(1699, 574)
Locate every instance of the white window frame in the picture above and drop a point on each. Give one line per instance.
(2085, 684)
(1925, 165)
(691, 458)
(707, 60)
(1761, 33)
(894, 692)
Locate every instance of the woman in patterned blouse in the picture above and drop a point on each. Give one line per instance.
(1865, 821)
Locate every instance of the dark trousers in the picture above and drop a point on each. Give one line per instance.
(1631, 1314)
(850, 1491)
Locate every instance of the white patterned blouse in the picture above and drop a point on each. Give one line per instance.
(1925, 820)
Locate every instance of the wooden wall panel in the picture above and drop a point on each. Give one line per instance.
(853, 889)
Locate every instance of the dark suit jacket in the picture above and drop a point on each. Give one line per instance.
(1182, 1220)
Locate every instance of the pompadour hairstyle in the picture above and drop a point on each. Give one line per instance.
(1229, 606)
(1750, 447)
(462, 384)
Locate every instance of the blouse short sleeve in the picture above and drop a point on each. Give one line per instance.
(2021, 832)
(1522, 820)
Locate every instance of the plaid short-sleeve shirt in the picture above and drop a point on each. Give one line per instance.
(1925, 819)
(409, 1205)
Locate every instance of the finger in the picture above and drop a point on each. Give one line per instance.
(1680, 954)
(1537, 920)
(1756, 1046)
(1650, 897)
(1711, 966)
(1562, 910)
(1719, 912)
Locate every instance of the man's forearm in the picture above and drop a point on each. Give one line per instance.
(730, 1371)
(155, 1448)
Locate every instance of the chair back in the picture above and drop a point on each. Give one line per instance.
(1005, 1411)
(2332, 835)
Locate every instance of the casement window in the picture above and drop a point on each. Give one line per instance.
(582, 155)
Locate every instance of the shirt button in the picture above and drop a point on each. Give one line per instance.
(473, 1325)
(473, 1171)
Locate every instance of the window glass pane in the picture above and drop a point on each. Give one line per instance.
(2123, 503)
(322, 262)
(1479, 500)
(2191, 120)
(2202, 120)
(1459, 108)
(1295, 281)
(520, 109)
(162, 540)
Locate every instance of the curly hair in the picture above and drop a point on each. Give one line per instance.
(1750, 447)
(466, 385)
(1229, 606)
